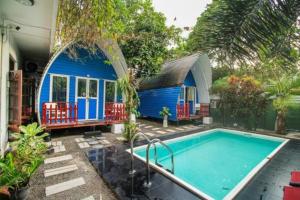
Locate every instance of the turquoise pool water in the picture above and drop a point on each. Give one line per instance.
(214, 162)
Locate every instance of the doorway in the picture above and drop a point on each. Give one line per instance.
(87, 98)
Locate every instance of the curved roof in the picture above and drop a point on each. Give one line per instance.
(174, 73)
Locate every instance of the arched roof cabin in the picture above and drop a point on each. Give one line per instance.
(78, 91)
(182, 86)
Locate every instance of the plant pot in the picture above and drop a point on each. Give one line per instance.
(20, 193)
(4, 193)
(165, 122)
(132, 118)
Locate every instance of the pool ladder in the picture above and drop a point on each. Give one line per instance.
(150, 143)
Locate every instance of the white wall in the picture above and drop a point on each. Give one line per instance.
(8, 48)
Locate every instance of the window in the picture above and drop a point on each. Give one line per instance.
(182, 94)
(93, 88)
(110, 91)
(191, 94)
(59, 89)
(81, 90)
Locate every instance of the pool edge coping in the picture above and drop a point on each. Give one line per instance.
(240, 185)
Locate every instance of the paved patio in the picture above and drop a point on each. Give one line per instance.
(67, 173)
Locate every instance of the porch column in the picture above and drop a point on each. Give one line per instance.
(4, 69)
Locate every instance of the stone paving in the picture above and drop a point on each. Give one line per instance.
(67, 174)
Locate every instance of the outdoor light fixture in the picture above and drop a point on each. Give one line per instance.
(26, 2)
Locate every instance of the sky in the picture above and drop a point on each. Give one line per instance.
(185, 11)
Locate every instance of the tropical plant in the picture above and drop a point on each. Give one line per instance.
(30, 144)
(127, 86)
(281, 90)
(27, 154)
(242, 98)
(10, 175)
(165, 112)
(240, 30)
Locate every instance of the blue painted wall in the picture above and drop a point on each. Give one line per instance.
(153, 100)
(87, 66)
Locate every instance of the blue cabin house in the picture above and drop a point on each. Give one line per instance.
(182, 86)
(81, 90)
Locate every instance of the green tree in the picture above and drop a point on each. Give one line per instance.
(146, 41)
(89, 21)
(240, 30)
(242, 98)
(281, 90)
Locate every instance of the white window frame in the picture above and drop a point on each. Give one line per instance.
(104, 94)
(51, 86)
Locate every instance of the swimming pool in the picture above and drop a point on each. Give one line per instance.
(214, 164)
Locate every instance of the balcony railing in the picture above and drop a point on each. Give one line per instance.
(183, 111)
(115, 112)
(59, 113)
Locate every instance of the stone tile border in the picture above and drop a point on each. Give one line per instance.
(60, 187)
(60, 170)
(58, 159)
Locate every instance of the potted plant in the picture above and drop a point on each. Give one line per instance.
(128, 86)
(27, 154)
(165, 113)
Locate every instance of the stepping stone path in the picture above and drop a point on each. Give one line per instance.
(179, 129)
(60, 170)
(148, 126)
(149, 134)
(67, 185)
(161, 132)
(56, 166)
(58, 159)
(155, 129)
(94, 142)
(89, 198)
(170, 130)
(58, 147)
(83, 145)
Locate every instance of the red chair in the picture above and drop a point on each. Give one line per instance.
(295, 178)
(291, 193)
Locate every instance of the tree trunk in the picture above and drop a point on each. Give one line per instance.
(280, 123)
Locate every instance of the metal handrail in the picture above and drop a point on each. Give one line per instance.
(152, 142)
(132, 171)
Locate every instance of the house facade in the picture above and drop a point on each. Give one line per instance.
(75, 91)
(182, 86)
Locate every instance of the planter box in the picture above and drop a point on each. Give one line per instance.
(117, 128)
(207, 120)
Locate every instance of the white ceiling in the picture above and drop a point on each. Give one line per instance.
(37, 24)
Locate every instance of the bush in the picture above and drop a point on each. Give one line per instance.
(27, 154)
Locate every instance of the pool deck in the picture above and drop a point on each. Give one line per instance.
(113, 164)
